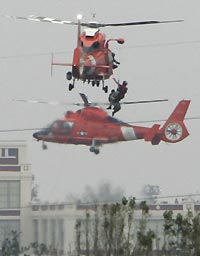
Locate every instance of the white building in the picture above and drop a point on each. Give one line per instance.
(54, 224)
(15, 190)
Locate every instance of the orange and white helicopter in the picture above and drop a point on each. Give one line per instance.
(93, 61)
(93, 127)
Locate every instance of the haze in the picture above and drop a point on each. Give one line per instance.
(158, 61)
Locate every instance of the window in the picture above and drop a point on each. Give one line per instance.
(44, 231)
(91, 48)
(35, 230)
(66, 128)
(9, 156)
(9, 194)
(8, 152)
(61, 232)
(53, 232)
(53, 127)
(12, 152)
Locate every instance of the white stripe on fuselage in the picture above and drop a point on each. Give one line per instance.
(128, 133)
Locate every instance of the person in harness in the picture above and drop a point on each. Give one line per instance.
(116, 95)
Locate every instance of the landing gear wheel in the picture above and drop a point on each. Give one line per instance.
(92, 149)
(69, 75)
(96, 151)
(98, 83)
(105, 89)
(93, 83)
(44, 146)
(71, 86)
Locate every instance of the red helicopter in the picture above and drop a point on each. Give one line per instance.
(93, 61)
(92, 126)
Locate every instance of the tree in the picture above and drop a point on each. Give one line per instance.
(196, 235)
(145, 237)
(186, 234)
(96, 233)
(178, 233)
(169, 232)
(78, 237)
(39, 248)
(112, 231)
(130, 206)
(87, 242)
(10, 245)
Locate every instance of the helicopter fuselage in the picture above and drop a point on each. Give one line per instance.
(93, 127)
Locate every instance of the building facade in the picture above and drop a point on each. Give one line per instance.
(15, 190)
(54, 224)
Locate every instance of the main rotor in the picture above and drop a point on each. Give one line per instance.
(91, 24)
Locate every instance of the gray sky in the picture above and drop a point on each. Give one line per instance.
(158, 61)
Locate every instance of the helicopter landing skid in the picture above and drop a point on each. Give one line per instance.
(105, 88)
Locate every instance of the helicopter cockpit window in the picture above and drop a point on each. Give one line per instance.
(44, 131)
(53, 127)
(91, 48)
(66, 128)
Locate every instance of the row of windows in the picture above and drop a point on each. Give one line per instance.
(8, 152)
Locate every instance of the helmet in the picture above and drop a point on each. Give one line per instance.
(124, 83)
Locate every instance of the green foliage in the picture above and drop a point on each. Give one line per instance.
(144, 207)
(145, 241)
(114, 233)
(196, 235)
(39, 248)
(178, 232)
(78, 236)
(10, 245)
(132, 203)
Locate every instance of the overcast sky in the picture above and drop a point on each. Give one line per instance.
(158, 61)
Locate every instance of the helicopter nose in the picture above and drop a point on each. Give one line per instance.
(36, 135)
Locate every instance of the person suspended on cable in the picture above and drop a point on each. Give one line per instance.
(116, 95)
(122, 88)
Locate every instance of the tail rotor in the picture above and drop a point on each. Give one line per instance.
(174, 129)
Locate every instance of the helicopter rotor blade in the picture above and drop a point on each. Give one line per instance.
(135, 23)
(85, 103)
(161, 120)
(42, 19)
(91, 24)
(20, 130)
(142, 101)
(130, 122)
(52, 103)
